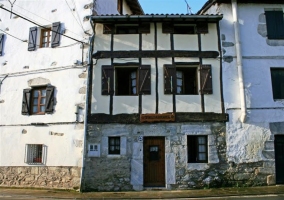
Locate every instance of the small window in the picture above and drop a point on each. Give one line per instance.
(126, 81)
(143, 28)
(277, 78)
(38, 100)
(114, 145)
(197, 149)
(184, 29)
(127, 30)
(275, 24)
(45, 38)
(35, 154)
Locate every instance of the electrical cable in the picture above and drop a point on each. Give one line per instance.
(13, 36)
(74, 16)
(78, 14)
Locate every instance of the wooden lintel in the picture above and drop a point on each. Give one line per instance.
(164, 117)
(135, 118)
(155, 54)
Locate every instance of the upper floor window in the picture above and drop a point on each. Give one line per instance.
(1, 44)
(126, 80)
(38, 100)
(126, 28)
(275, 24)
(185, 28)
(277, 78)
(197, 149)
(44, 37)
(183, 79)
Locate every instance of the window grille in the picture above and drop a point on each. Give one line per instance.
(35, 154)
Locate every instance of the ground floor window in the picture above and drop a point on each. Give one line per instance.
(197, 149)
(34, 153)
(114, 145)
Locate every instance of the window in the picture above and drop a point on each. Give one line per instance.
(183, 79)
(197, 149)
(277, 78)
(127, 28)
(35, 153)
(48, 37)
(185, 28)
(45, 37)
(38, 100)
(1, 44)
(114, 145)
(275, 24)
(94, 150)
(128, 80)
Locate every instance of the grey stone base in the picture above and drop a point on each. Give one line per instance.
(41, 177)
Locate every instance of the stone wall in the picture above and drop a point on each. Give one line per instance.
(41, 177)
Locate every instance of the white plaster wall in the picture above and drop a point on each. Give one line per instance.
(188, 103)
(102, 41)
(126, 42)
(209, 41)
(125, 104)
(213, 101)
(148, 40)
(186, 42)
(163, 41)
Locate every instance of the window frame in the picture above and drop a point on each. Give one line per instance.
(276, 83)
(193, 140)
(275, 24)
(35, 154)
(116, 145)
(185, 78)
(40, 97)
(43, 36)
(130, 86)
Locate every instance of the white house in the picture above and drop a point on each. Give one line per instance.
(252, 35)
(157, 115)
(44, 57)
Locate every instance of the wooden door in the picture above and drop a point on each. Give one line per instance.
(154, 161)
(279, 158)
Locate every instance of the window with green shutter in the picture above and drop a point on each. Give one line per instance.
(275, 24)
(277, 78)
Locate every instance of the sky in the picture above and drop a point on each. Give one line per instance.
(170, 6)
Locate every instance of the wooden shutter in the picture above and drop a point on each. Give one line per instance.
(1, 44)
(206, 79)
(55, 35)
(202, 28)
(107, 80)
(32, 39)
(168, 28)
(108, 28)
(144, 28)
(26, 102)
(275, 24)
(169, 79)
(49, 99)
(144, 79)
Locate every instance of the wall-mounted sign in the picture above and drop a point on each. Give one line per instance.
(165, 117)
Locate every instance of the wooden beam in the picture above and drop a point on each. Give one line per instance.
(135, 118)
(155, 54)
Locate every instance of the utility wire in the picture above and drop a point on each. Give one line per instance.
(42, 18)
(78, 14)
(13, 36)
(74, 16)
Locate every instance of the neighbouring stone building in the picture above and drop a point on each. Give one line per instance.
(156, 104)
(44, 57)
(252, 34)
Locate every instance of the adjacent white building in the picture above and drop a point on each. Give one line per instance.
(252, 35)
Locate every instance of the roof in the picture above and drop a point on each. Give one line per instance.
(156, 18)
(209, 3)
(135, 7)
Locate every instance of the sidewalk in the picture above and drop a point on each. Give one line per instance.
(216, 192)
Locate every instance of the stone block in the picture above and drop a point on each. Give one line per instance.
(34, 170)
(82, 90)
(197, 166)
(196, 129)
(271, 180)
(213, 154)
(277, 127)
(267, 170)
(138, 187)
(262, 30)
(170, 168)
(269, 164)
(137, 151)
(123, 145)
(242, 176)
(262, 18)
(228, 59)
(268, 154)
(136, 172)
(269, 145)
(228, 44)
(275, 43)
(223, 37)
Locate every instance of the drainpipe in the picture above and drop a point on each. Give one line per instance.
(239, 61)
(89, 80)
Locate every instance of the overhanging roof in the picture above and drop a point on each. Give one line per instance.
(209, 3)
(156, 18)
(135, 7)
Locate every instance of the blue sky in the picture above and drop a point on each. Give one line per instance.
(170, 6)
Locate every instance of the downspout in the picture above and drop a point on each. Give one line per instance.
(239, 61)
(89, 80)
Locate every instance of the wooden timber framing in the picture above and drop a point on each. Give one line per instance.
(135, 118)
(155, 54)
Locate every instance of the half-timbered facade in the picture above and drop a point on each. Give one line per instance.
(252, 35)
(156, 103)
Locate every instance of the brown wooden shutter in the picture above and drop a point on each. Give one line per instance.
(144, 79)
(26, 102)
(206, 79)
(107, 80)
(49, 99)
(168, 28)
(32, 39)
(55, 36)
(144, 28)
(170, 79)
(1, 44)
(202, 28)
(108, 28)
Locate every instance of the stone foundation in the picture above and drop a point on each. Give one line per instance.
(41, 177)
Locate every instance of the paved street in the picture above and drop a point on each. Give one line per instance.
(258, 193)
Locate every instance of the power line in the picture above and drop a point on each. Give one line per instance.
(78, 14)
(74, 16)
(13, 36)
